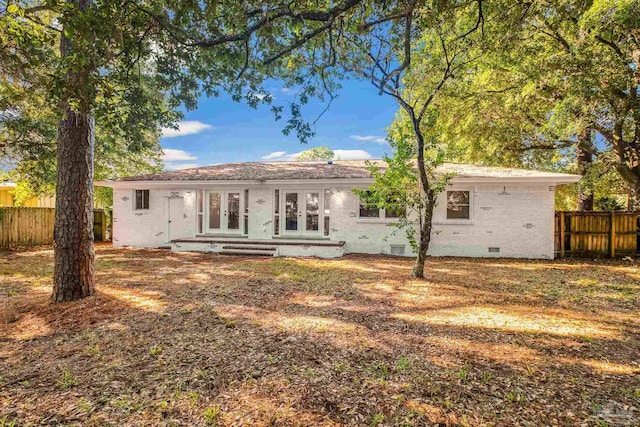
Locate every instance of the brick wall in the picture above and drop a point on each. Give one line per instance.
(150, 228)
(517, 220)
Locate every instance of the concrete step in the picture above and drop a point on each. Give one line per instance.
(249, 247)
(252, 252)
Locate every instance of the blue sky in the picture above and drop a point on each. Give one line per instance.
(222, 130)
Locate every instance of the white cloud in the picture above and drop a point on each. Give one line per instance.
(171, 155)
(351, 155)
(369, 138)
(178, 166)
(283, 156)
(276, 155)
(187, 127)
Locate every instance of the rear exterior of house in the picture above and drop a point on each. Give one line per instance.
(309, 209)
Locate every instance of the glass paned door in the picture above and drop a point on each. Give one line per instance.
(302, 212)
(215, 211)
(291, 211)
(312, 215)
(233, 211)
(224, 210)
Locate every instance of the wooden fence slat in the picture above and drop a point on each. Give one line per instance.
(25, 226)
(597, 233)
(612, 235)
(562, 233)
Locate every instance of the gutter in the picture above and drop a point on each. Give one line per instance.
(551, 180)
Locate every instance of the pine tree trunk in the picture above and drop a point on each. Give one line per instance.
(73, 276)
(73, 230)
(584, 159)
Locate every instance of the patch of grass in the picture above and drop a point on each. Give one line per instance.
(211, 415)
(341, 366)
(355, 336)
(514, 396)
(107, 264)
(402, 364)
(93, 350)
(379, 370)
(463, 374)
(193, 398)
(377, 420)
(126, 405)
(486, 377)
(67, 380)
(85, 405)
(531, 370)
(6, 422)
(12, 292)
(584, 281)
(630, 392)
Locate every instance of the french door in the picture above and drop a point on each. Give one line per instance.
(224, 211)
(301, 212)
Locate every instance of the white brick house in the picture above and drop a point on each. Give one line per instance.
(292, 209)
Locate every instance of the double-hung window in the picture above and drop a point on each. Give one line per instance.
(367, 210)
(395, 210)
(142, 199)
(458, 205)
(392, 211)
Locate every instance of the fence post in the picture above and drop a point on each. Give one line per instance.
(562, 234)
(612, 236)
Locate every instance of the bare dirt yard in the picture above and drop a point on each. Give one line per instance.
(197, 339)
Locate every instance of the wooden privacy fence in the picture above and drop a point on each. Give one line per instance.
(597, 234)
(34, 226)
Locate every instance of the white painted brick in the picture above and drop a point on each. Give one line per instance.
(499, 216)
(150, 228)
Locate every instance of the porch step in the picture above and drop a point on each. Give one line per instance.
(249, 247)
(252, 252)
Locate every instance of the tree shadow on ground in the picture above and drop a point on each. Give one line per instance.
(192, 338)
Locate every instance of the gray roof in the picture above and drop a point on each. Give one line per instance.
(262, 171)
(340, 169)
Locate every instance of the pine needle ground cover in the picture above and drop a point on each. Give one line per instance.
(199, 339)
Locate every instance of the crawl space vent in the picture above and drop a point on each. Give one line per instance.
(494, 250)
(397, 249)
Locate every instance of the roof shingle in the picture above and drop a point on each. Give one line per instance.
(341, 169)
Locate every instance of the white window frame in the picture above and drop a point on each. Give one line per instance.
(446, 210)
(200, 216)
(135, 199)
(275, 212)
(381, 218)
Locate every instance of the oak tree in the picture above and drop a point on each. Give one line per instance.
(87, 57)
